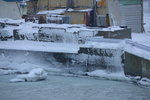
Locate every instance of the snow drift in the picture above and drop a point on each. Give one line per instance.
(108, 75)
(34, 75)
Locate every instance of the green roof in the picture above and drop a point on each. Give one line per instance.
(130, 2)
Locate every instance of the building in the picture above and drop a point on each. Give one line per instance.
(78, 11)
(127, 13)
(95, 12)
(12, 8)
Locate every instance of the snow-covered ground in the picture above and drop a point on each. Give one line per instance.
(143, 38)
(23, 62)
(40, 46)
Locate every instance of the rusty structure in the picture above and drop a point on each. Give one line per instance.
(87, 12)
(103, 13)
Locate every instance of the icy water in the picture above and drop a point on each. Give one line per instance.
(71, 88)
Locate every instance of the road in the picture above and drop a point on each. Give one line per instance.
(71, 88)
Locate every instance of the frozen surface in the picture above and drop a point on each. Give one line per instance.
(37, 74)
(141, 38)
(71, 88)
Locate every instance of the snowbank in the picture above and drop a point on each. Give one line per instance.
(137, 49)
(104, 45)
(34, 75)
(27, 27)
(141, 38)
(113, 28)
(139, 45)
(108, 75)
(140, 81)
(144, 81)
(84, 10)
(56, 11)
(8, 71)
(61, 11)
(7, 31)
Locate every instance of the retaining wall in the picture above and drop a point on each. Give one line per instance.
(136, 66)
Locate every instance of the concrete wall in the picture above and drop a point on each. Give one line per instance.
(59, 4)
(136, 66)
(92, 59)
(118, 34)
(10, 10)
(77, 17)
(109, 59)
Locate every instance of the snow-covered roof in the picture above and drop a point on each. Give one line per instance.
(40, 46)
(56, 11)
(61, 11)
(82, 10)
(7, 20)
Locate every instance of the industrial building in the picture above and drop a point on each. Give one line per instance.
(101, 13)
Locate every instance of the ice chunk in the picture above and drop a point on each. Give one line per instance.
(144, 81)
(37, 74)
